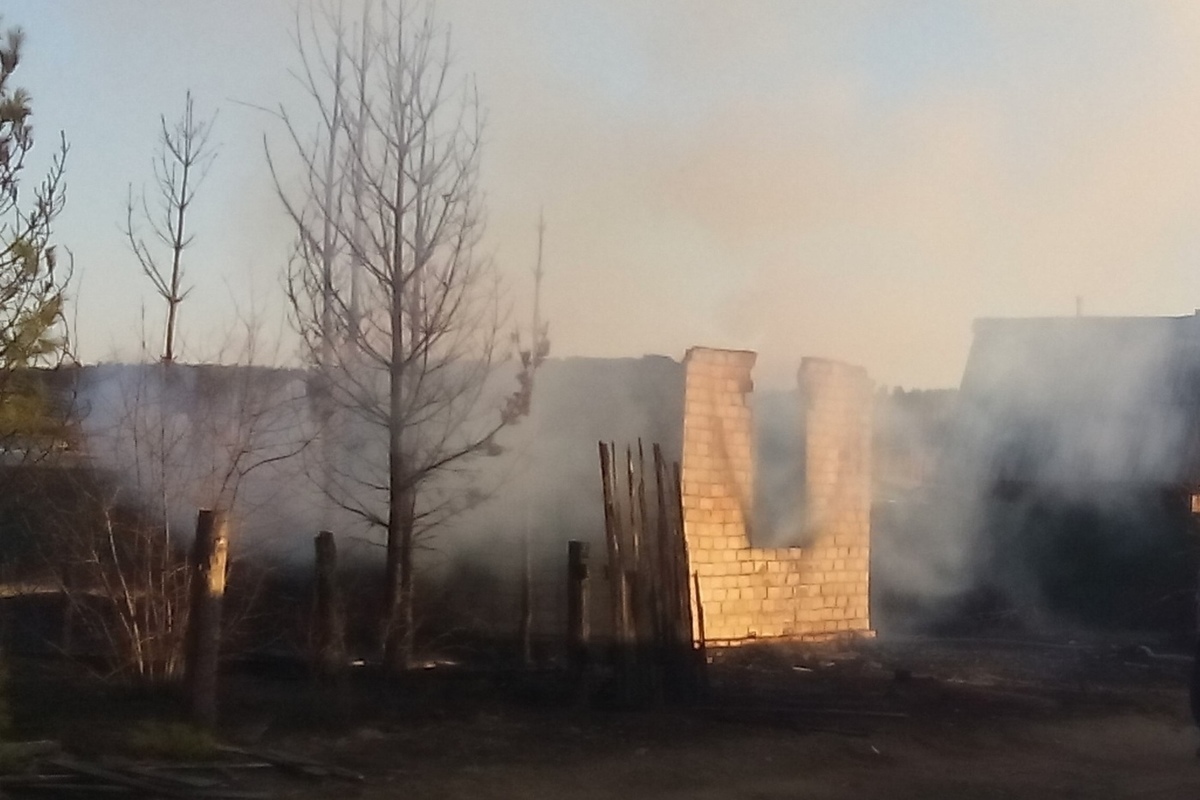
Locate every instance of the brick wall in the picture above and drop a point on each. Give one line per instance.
(814, 592)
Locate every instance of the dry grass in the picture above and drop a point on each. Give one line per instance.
(169, 741)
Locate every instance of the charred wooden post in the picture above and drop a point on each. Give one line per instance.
(621, 537)
(701, 645)
(675, 629)
(658, 650)
(683, 579)
(651, 652)
(67, 632)
(578, 618)
(635, 532)
(612, 546)
(631, 561)
(665, 607)
(651, 564)
(209, 557)
(525, 626)
(668, 563)
(329, 626)
(618, 579)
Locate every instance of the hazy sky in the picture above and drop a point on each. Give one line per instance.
(856, 180)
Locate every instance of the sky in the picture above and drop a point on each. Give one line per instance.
(845, 179)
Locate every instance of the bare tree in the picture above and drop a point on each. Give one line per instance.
(401, 315)
(163, 441)
(181, 163)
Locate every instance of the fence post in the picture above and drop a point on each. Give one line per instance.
(210, 553)
(578, 627)
(525, 623)
(329, 630)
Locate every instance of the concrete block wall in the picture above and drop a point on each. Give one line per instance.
(747, 593)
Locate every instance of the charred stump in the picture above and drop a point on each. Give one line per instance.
(209, 558)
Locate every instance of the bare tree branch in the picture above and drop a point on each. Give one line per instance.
(181, 162)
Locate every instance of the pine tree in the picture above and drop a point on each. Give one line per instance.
(32, 282)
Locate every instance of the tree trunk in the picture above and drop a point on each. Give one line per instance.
(404, 656)
(397, 640)
(179, 242)
(169, 346)
(398, 633)
(397, 643)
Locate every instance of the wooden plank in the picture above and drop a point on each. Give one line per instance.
(169, 775)
(299, 764)
(624, 630)
(648, 566)
(20, 751)
(58, 787)
(635, 527)
(668, 561)
(678, 655)
(612, 544)
(108, 776)
(686, 632)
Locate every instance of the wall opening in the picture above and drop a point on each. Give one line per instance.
(779, 516)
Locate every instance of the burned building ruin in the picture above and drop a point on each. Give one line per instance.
(814, 591)
(1063, 497)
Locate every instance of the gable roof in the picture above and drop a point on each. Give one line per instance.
(1082, 400)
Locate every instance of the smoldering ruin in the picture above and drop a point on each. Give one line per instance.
(1050, 495)
(458, 399)
(752, 555)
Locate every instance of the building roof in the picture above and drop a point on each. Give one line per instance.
(1082, 400)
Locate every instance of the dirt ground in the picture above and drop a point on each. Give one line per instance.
(895, 721)
(1123, 755)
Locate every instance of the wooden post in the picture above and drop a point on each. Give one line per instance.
(648, 559)
(631, 558)
(647, 581)
(618, 584)
(684, 598)
(578, 618)
(667, 553)
(621, 536)
(676, 649)
(635, 527)
(210, 553)
(617, 575)
(701, 643)
(525, 626)
(329, 628)
(611, 544)
(67, 634)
